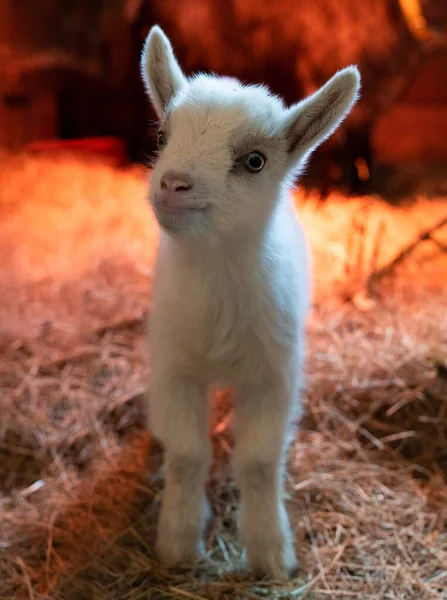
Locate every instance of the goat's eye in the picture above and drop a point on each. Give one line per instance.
(255, 162)
(161, 139)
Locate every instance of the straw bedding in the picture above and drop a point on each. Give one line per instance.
(80, 479)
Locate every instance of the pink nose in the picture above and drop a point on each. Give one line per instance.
(174, 182)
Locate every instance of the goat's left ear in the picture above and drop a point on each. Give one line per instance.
(314, 119)
(160, 71)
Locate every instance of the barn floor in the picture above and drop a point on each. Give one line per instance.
(80, 480)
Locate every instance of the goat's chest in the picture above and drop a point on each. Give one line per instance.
(220, 322)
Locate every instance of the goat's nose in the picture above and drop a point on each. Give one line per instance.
(175, 181)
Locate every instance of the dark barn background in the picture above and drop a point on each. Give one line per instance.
(69, 70)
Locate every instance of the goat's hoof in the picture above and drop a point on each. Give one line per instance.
(178, 550)
(179, 542)
(277, 561)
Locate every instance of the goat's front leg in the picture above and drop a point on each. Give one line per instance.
(261, 419)
(179, 419)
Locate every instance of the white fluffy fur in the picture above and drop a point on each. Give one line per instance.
(230, 293)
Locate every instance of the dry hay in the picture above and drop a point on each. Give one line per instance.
(80, 480)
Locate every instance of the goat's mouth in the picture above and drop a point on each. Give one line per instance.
(180, 207)
(169, 209)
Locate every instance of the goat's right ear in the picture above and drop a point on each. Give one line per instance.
(160, 71)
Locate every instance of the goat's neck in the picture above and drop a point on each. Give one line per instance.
(241, 255)
(216, 259)
(245, 249)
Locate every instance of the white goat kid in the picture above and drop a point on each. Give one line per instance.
(230, 291)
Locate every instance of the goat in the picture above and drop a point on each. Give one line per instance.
(230, 290)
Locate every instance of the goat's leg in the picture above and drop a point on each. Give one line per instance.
(179, 419)
(261, 420)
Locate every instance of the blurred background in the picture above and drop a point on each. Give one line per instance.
(70, 71)
(80, 478)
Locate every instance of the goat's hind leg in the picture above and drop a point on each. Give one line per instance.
(262, 417)
(179, 419)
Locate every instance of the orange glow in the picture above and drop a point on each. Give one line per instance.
(61, 219)
(415, 19)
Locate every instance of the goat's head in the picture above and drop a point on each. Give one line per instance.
(227, 149)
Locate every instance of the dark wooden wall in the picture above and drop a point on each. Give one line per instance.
(71, 69)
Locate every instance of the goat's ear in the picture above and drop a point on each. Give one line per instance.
(160, 71)
(312, 120)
